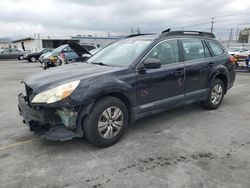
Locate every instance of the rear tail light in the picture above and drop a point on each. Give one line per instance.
(231, 59)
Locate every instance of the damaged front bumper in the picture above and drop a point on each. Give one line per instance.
(55, 124)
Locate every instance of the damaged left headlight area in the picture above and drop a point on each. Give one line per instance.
(54, 123)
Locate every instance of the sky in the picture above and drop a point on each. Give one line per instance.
(20, 18)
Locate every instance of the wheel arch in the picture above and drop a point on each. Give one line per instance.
(224, 79)
(123, 98)
(221, 73)
(87, 108)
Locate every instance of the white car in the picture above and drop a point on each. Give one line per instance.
(241, 52)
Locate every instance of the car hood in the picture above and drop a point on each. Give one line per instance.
(79, 50)
(60, 75)
(47, 54)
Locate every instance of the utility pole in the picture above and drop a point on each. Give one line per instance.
(131, 30)
(237, 32)
(230, 37)
(212, 24)
(138, 31)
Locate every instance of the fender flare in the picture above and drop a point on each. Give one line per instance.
(220, 70)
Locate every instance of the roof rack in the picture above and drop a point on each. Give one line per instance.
(139, 34)
(191, 33)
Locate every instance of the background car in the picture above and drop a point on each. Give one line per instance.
(67, 53)
(11, 53)
(52, 57)
(44, 56)
(240, 52)
(32, 57)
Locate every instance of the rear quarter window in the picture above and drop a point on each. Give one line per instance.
(215, 48)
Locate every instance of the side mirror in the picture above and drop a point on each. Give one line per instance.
(152, 63)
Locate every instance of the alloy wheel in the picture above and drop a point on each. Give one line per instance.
(216, 95)
(33, 59)
(110, 122)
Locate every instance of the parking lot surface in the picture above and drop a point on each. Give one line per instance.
(183, 147)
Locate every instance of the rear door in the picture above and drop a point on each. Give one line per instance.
(15, 53)
(198, 65)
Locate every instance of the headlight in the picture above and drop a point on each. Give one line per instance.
(53, 58)
(56, 94)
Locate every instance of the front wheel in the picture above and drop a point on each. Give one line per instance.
(32, 59)
(215, 95)
(107, 122)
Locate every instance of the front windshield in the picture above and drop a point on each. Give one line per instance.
(121, 53)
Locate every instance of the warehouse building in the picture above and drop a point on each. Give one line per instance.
(35, 44)
(244, 36)
(99, 42)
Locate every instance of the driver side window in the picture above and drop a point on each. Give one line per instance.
(167, 52)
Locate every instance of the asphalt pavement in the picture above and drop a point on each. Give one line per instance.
(187, 147)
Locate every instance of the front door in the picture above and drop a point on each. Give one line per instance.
(164, 86)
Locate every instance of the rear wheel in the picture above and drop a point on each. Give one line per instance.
(215, 95)
(107, 122)
(20, 57)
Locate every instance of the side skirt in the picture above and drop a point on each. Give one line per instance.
(169, 103)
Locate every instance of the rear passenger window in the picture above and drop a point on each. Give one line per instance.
(215, 47)
(193, 49)
(167, 52)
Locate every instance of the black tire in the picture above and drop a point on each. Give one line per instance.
(208, 104)
(90, 123)
(32, 59)
(20, 57)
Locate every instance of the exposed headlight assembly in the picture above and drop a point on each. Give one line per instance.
(56, 94)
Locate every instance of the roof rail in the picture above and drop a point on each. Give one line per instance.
(139, 34)
(192, 33)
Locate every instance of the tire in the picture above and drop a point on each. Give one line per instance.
(108, 132)
(20, 57)
(215, 95)
(32, 59)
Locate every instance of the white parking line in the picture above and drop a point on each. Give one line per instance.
(8, 146)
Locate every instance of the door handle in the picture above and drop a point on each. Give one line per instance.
(212, 64)
(179, 72)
